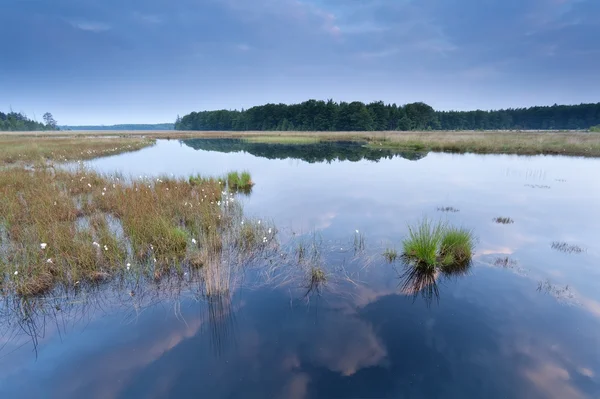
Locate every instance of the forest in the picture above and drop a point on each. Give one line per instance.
(329, 115)
(15, 121)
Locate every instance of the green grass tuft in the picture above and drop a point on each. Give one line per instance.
(456, 246)
(436, 245)
(239, 182)
(423, 243)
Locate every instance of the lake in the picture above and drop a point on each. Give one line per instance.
(522, 322)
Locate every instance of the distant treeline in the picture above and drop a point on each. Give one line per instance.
(17, 122)
(316, 115)
(156, 126)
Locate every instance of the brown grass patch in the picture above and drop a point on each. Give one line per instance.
(33, 149)
(61, 228)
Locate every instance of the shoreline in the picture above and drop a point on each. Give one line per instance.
(569, 143)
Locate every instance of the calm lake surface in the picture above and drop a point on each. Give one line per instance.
(524, 322)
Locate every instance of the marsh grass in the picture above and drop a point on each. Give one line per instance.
(524, 143)
(505, 262)
(423, 243)
(567, 248)
(488, 142)
(32, 150)
(59, 229)
(456, 246)
(430, 246)
(241, 182)
(447, 209)
(503, 220)
(390, 255)
(359, 242)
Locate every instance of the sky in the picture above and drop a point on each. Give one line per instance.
(146, 61)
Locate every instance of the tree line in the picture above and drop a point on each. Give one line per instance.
(18, 122)
(328, 115)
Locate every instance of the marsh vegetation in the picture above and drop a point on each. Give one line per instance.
(39, 150)
(450, 209)
(432, 245)
(567, 248)
(503, 220)
(75, 227)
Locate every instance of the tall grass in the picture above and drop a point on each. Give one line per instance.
(41, 149)
(456, 246)
(435, 245)
(239, 181)
(423, 243)
(69, 227)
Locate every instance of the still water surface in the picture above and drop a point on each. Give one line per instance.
(526, 329)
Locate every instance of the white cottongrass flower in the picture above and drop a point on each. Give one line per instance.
(193, 240)
(96, 244)
(103, 194)
(89, 185)
(218, 202)
(242, 222)
(269, 230)
(43, 245)
(104, 189)
(16, 272)
(49, 261)
(259, 222)
(105, 248)
(128, 266)
(356, 231)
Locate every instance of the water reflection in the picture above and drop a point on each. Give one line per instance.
(415, 281)
(490, 334)
(324, 151)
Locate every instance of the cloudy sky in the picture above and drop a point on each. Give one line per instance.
(136, 61)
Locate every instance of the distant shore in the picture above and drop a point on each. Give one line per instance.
(573, 143)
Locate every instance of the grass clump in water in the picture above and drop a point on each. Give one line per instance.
(423, 243)
(239, 182)
(390, 255)
(567, 248)
(437, 245)
(503, 220)
(317, 275)
(447, 209)
(456, 246)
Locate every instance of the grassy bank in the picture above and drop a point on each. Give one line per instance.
(489, 142)
(29, 149)
(578, 144)
(60, 228)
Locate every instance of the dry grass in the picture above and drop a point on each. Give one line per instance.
(28, 149)
(492, 142)
(65, 228)
(584, 144)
